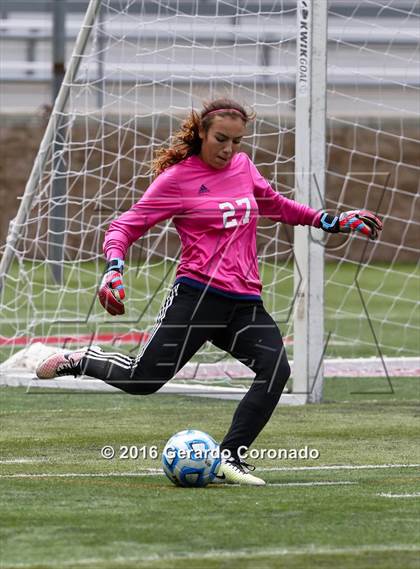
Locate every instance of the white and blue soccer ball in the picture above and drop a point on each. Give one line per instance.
(191, 458)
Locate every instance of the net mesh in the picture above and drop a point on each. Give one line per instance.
(145, 66)
(373, 162)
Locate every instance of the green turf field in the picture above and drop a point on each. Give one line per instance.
(64, 506)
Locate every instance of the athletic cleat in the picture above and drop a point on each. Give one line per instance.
(61, 363)
(233, 471)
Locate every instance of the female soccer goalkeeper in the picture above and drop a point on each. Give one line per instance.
(215, 195)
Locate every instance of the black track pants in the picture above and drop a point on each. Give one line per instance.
(187, 319)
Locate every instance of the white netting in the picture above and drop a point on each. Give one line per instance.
(146, 65)
(374, 162)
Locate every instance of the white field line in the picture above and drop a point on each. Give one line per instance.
(20, 368)
(337, 467)
(23, 461)
(311, 550)
(389, 495)
(329, 483)
(49, 411)
(159, 471)
(83, 474)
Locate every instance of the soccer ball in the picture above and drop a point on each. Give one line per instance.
(191, 458)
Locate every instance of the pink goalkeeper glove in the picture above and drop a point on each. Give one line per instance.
(361, 220)
(111, 290)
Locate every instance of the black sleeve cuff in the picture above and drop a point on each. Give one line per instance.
(115, 265)
(329, 223)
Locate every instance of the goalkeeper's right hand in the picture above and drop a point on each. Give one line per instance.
(361, 220)
(111, 290)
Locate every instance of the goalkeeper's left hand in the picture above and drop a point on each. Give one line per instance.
(111, 290)
(361, 220)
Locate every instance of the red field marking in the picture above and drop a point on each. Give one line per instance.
(106, 338)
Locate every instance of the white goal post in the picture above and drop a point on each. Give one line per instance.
(310, 144)
(336, 132)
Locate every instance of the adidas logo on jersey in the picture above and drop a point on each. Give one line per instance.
(203, 189)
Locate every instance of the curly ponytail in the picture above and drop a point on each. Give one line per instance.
(187, 141)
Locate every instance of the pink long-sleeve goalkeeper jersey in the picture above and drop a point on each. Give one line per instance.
(215, 213)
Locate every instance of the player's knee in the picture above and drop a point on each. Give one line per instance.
(278, 363)
(147, 379)
(284, 370)
(277, 378)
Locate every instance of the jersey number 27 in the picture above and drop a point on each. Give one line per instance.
(231, 211)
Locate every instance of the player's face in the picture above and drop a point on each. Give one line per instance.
(221, 141)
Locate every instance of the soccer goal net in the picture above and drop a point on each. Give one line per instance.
(136, 70)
